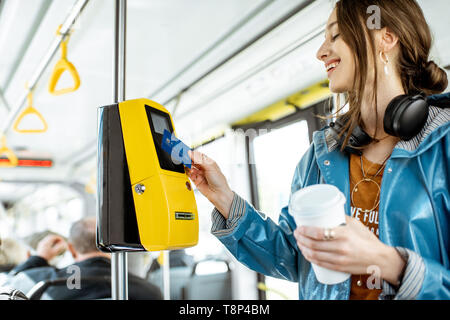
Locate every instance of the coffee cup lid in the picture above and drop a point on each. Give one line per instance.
(315, 199)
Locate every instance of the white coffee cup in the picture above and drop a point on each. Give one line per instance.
(320, 205)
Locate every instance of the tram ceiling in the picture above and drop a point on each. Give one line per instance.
(162, 40)
(173, 47)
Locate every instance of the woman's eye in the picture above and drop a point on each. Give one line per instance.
(335, 37)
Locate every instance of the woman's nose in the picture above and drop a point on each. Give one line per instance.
(323, 51)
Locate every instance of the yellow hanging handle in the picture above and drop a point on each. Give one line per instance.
(61, 66)
(4, 150)
(28, 111)
(91, 186)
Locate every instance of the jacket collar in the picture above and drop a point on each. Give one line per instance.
(437, 125)
(330, 162)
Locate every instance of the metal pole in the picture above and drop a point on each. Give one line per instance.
(120, 50)
(45, 61)
(119, 263)
(166, 274)
(119, 275)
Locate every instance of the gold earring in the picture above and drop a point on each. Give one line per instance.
(385, 61)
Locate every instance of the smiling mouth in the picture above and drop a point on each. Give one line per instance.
(332, 66)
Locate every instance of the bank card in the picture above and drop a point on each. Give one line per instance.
(177, 150)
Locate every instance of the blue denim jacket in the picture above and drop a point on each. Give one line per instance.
(414, 217)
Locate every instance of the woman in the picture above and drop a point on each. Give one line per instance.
(397, 229)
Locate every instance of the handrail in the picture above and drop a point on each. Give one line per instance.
(36, 76)
(61, 66)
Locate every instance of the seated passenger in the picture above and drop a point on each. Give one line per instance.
(89, 262)
(12, 253)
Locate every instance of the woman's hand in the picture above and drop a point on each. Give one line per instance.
(210, 181)
(353, 250)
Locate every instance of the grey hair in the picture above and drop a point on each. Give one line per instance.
(82, 235)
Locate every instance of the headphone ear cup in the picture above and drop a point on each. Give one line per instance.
(359, 138)
(405, 116)
(391, 113)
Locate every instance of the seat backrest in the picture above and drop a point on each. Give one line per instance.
(208, 287)
(179, 276)
(39, 289)
(7, 293)
(211, 286)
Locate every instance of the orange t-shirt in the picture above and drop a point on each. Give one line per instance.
(365, 209)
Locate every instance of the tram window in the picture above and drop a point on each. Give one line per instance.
(277, 154)
(53, 207)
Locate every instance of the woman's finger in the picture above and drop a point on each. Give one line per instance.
(320, 245)
(320, 233)
(201, 160)
(322, 258)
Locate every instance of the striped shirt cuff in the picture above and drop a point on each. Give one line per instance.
(412, 281)
(220, 225)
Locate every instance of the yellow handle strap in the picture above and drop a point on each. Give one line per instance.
(30, 110)
(91, 186)
(61, 66)
(5, 151)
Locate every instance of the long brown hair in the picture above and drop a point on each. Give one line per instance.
(406, 20)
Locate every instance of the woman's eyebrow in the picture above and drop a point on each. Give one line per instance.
(331, 25)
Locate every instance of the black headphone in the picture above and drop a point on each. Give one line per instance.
(405, 117)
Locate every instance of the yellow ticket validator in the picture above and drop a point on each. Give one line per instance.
(145, 201)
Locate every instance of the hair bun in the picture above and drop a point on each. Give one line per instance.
(433, 79)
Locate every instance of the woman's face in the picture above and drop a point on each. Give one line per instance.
(337, 58)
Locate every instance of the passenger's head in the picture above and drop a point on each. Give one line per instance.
(12, 253)
(395, 28)
(82, 242)
(34, 239)
(362, 35)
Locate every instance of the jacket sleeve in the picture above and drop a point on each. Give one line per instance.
(32, 262)
(436, 283)
(412, 279)
(257, 241)
(423, 279)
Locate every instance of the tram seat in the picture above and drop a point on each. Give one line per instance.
(38, 291)
(179, 276)
(211, 286)
(187, 284)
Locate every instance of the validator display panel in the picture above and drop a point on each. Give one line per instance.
(160, 121)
